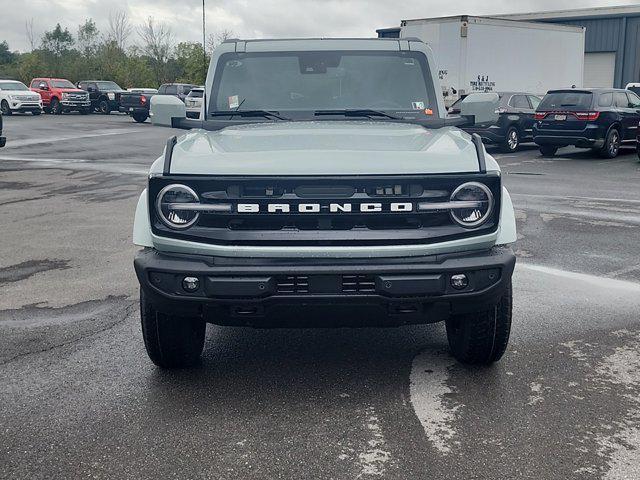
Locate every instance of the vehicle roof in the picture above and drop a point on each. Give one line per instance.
(84, 81)
(9, 80)
(289, 44)
(587, 90)
(190, 84)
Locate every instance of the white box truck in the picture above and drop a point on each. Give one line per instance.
(481, 54)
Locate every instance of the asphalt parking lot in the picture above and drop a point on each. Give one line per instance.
(80, 399)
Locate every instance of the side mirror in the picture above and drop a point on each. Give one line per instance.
(164, 108)
(482, 107)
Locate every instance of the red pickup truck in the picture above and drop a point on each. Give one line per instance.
(60, 95)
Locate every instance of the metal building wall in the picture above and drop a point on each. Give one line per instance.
(617, 34)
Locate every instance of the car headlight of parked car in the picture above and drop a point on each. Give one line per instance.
(478, 204)
(111, 96)
(177, 205)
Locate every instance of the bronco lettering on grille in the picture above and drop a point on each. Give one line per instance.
(397, 207)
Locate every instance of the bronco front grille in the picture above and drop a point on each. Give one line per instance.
(316, 212)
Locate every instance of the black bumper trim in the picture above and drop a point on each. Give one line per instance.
(243, 294)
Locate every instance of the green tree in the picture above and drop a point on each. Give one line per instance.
(193, 62)
(7, 56)
(88, 37)
(57, 41)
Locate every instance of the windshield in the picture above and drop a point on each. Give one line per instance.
(13, 86)
(108, 86)
(62, 84)
(395, 82)
(566, 101)
(635, 90)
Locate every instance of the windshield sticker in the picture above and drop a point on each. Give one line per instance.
(417, 105)
(234, 102)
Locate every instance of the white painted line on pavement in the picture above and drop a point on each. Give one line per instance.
(595, 280)
(80, 164)
(574, 197)
(64, 138)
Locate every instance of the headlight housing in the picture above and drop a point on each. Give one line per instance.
(479, 204)
(64, 95)
(111, 96)
(168, 206)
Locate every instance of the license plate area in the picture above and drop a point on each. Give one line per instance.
(559, 118)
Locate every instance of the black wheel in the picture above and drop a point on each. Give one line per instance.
(140, 117)
(55, 107)
(511, 141)
(35, 112)
(481, 338)
(85, 111)
(104, 108)
(171, 341)
(611, 146)
(548, 150)
(4, 108)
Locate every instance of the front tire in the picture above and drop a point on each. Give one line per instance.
(171, 341)
(140, 117)
(4, 107)
(481, 338)
(104, 107)
(55, 107)
(511, 141)
(611, 146)
(548, 150)
(85, 111)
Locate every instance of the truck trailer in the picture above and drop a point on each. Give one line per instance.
(481, 54)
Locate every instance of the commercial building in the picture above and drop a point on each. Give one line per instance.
(612, 42)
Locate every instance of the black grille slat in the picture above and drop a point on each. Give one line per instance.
(296, 284)
(358, 284)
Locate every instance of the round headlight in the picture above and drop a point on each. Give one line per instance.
(171, 207)
(476, 202)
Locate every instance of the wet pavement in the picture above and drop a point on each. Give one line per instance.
(79, 398)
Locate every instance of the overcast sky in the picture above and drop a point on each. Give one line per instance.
(258, 18)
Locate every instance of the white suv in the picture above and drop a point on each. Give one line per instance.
(193, 102)
(16, 97)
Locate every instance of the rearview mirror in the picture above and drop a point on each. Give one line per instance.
(482, 107)
(165, 108)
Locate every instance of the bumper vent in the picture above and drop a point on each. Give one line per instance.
(295, 284)
(358, 284)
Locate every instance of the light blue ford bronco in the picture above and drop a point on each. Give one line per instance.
(324, 185)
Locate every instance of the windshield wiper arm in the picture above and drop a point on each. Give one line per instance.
(361, 112)
(250, 113)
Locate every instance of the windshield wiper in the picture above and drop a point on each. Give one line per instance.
(363, 112)
(250, 113)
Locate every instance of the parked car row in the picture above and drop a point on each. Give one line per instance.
(601, 119)
(59, 95)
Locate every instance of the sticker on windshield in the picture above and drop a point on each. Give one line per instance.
(417, 105)
(234, 102)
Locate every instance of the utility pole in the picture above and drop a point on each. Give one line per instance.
(204, 42)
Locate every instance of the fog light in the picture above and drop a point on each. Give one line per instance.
(190, 284)
(459, 281)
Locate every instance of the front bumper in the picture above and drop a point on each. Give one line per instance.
(324, 292)
(72, 105)
(20, 106)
